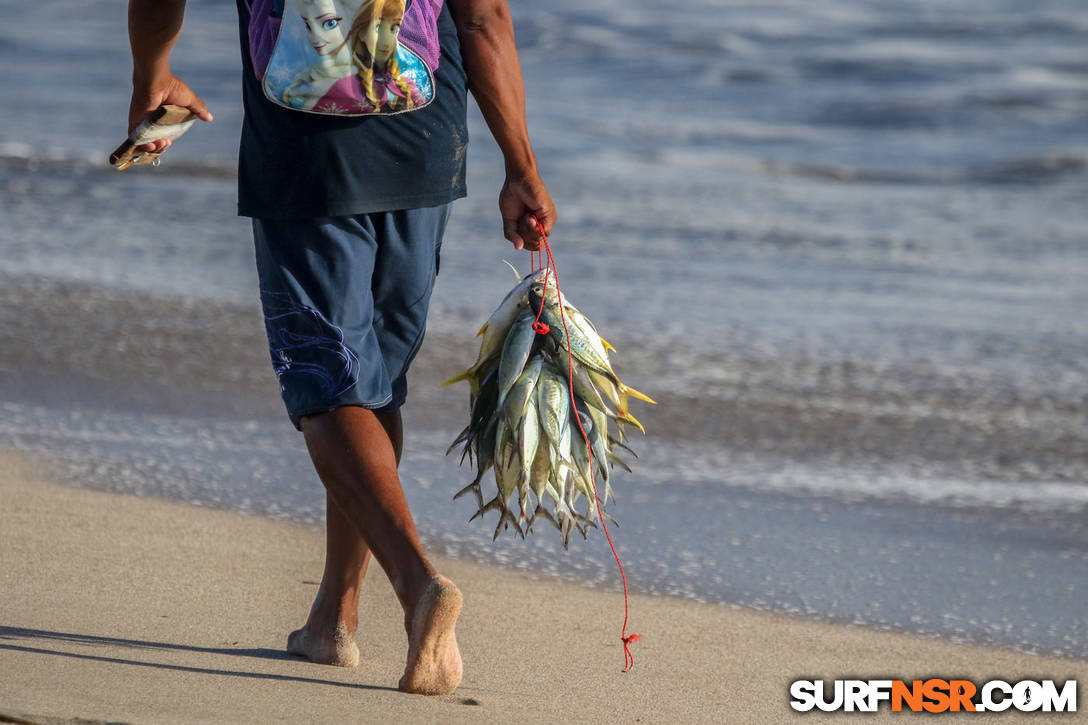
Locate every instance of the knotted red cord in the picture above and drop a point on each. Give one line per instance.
(541, 328)
(548, 264)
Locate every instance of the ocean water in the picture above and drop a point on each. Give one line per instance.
(844, 244)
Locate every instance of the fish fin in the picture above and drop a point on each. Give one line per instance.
(613, 442)
(619, 429)
(466, 375)
(482, 330)
(474, 485)
(527, 497)
(564, 530)
(625, 390)
(475, 488)
(517, 275)
(530, 519)
(562, 510)
(607, 344)
(461, 438)
(541, 511)
(634, 421)
(493, 505)
(613, 458)
(507, 518)
(609, 494)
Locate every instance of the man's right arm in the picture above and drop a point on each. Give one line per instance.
(153, 28)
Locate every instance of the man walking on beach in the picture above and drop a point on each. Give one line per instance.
(352, 151)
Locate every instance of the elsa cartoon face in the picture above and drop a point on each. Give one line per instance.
(324, 25)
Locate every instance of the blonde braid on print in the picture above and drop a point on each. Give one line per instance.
(366, 74)
(402, 83)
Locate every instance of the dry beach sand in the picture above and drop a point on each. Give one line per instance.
(119, 608)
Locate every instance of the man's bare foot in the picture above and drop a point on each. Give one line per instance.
(434, 662)
(338, 649)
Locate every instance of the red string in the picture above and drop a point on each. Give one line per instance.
(552, 268)
(541, 328)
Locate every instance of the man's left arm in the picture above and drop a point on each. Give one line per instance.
(494, 77)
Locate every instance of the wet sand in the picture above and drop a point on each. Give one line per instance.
(65, 341)
(847, 493)
(120, 608)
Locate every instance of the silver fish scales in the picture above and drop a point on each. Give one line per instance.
(523, 426)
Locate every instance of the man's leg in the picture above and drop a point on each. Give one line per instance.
(355, 453)
(328, 635)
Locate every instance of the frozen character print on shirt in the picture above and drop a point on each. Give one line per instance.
(379, 86)
(345, 57)
(325, 31)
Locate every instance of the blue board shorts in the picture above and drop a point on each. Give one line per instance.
(345, 304)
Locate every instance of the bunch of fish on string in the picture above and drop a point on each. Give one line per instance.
(523, 423)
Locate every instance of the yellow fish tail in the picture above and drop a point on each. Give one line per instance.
(634, 421)
(469, 375)
(625, 390)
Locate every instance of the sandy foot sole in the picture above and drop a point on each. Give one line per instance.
(434, 662)
(339, 650)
